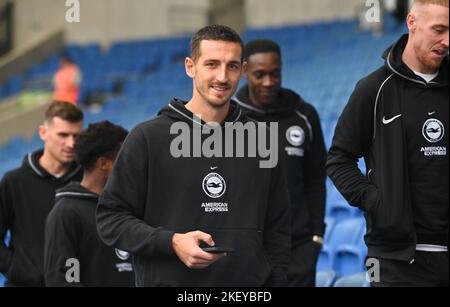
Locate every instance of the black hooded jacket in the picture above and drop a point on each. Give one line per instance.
(71, 233)
(151, 194)
(301, 142)
(373, 126)
(27, 195)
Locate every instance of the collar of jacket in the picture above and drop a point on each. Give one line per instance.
(75, 190)
(31, 161)
(178, 112)
(287, 101)
(393, 61)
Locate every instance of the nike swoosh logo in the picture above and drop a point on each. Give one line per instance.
(388, 121)
(431, 113)
(214, 168)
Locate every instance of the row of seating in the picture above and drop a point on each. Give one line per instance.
(330, 278)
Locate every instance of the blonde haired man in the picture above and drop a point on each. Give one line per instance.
(397, 119)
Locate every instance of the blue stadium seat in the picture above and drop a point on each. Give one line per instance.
(325, 278)
(349, 258)
(338, 207)
(324, 261)
(356, 280)
(345, 233)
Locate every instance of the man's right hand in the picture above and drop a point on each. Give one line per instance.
(187, 248)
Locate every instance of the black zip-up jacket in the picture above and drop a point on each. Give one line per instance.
(151, 195)
(27, 195)
(301, 141)
(371, 126)
(71, 233)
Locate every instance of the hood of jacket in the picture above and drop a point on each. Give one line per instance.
(394, 63)
(75, 190)
(286, 102)
(31, 161)
(176, 110)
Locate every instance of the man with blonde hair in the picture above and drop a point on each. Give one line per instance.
(397, 119)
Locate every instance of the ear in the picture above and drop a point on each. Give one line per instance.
(245, 68)
(43, 132)
(411, 22)
(190, 67)
(103, 164)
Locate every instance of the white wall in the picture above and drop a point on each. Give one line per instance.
(109, 20)
(112, 20)
(35, 19)
(263, 13)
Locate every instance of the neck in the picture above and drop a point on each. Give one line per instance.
(53, 166)
(410, 59)
(254, 101)
(93, 182)
(207, 112)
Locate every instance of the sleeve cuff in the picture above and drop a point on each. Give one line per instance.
(164, 242)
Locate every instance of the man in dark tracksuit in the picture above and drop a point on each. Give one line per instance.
(71, 231)
(397, 119)
(167, 197)
(301, 141)
(27, 195)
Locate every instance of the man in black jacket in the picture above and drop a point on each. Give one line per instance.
(397, 119)
(71, 233)
(168, 196)
(301, 140)
(27, 195)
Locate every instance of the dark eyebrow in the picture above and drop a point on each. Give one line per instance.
(235, 62)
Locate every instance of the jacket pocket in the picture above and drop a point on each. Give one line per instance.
(371, 200)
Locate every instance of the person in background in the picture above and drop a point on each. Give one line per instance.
(71, 231)
(301, 141)
(27, 195)
(67, 81)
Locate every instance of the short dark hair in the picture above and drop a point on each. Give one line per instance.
(261, 46)
(64, 110)
(214, 33)
(102, 139)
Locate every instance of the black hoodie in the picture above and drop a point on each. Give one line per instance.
(301, 141)
(373, 126)
(71, 233)
(27, 195)
(151, 195)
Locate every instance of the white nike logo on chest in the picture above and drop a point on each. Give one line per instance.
(388, 121)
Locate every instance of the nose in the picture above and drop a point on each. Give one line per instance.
(445, 41)
(222, 75)
(70, 142)
(268, 81)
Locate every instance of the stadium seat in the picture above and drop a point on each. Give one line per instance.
(346, 235)
(325, 278)
(338, 207)
(324, 261)
(356, 280)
